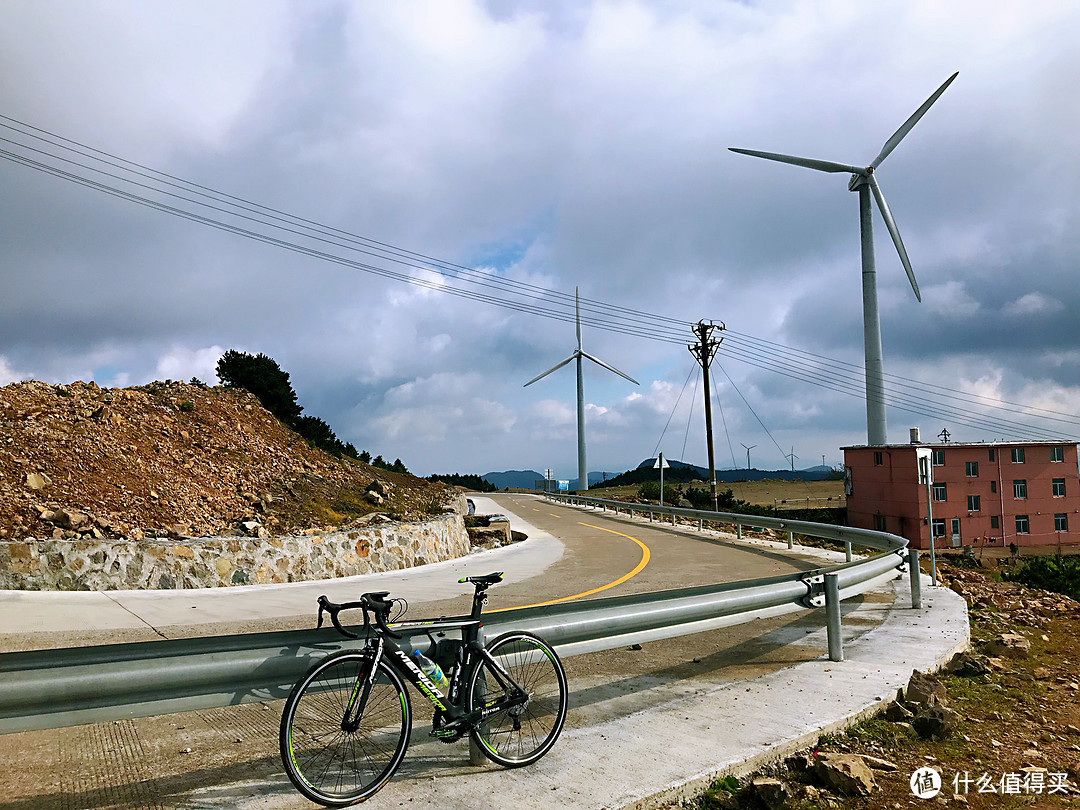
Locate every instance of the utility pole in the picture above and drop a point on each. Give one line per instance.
(704, 351)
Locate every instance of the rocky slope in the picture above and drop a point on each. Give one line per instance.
(173, 459)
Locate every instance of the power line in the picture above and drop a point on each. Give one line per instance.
(478, 285)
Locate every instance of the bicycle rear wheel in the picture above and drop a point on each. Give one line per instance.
(329, 761)
(519, 735)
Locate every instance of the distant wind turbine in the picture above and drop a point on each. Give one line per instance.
(791, 457)
(748, 449)
(864, 180)
(583, 472)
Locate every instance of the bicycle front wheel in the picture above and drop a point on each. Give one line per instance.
(333, 759)
(520, 733)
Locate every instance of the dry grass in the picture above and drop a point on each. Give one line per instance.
(781, 494)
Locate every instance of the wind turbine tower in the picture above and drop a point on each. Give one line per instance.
(864, 181)
(748, 449)
(579, 353)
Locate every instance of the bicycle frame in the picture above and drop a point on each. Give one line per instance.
(450, 713)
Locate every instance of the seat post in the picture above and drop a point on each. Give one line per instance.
(478, 600)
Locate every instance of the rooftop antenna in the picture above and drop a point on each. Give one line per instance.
(748, 449)
(583, 474)
(864, 180)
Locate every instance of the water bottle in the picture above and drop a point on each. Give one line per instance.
(432, 670)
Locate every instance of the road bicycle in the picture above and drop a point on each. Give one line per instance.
(346, 724)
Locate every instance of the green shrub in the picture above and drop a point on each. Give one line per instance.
(650, 491)
(1049, 573)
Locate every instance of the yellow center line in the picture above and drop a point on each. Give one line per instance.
(554, 515)
(645, 554)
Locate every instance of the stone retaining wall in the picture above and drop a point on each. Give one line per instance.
(210, 562)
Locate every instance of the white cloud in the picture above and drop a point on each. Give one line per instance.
(8, 374)
(1033, 303)
(182, 364)
(950, 299)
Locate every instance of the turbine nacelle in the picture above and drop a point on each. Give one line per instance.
(864, 176)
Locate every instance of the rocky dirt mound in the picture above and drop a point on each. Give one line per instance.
(172, 459)
(1000, 724)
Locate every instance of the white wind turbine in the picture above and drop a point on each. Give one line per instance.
(864, 180)
(583, 473)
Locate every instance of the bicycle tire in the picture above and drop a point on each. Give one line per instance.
(328, 764)
(519, 736)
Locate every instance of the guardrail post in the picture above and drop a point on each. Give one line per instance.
(699, 524)
(832, 617)
(847, 550)
(790, 540)
(738, 530)
(913, 575)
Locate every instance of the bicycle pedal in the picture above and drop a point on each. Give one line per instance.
(447, 735)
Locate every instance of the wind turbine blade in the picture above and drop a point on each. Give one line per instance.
(600, 362)
(894, 232)
(808, 163)
(550, 370)
(577, 317)
(911, 122)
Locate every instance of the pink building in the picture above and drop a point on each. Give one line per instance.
(991, 494)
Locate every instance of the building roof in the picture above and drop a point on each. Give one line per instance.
(942, 445)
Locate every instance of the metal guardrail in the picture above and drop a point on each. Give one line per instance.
(56, 688)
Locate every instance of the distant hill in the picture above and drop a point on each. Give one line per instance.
(515, 479)
(680, 472)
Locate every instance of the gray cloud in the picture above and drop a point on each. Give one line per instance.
(564, 145)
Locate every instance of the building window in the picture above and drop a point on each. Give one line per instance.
(939, 492)
(971, 469)
(991, 453)
(938, 458)
(993, 486)
(1022, 524)
(1061, 522)
(879, 523)
(1018, 455)
(1020, 488)
(878, 460)
(1057, 453)
(993, 521)
(939, 527)
(973, 503)
(1059, 487)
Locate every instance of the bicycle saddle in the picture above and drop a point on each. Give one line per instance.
(487, 579)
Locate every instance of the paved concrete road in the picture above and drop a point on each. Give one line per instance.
(641, 720)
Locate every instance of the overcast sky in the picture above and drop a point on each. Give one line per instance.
(560, 144)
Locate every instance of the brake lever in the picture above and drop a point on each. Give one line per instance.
(329, 607)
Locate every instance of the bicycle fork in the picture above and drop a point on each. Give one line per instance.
(354, 709)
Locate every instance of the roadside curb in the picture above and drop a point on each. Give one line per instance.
(908, 639)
